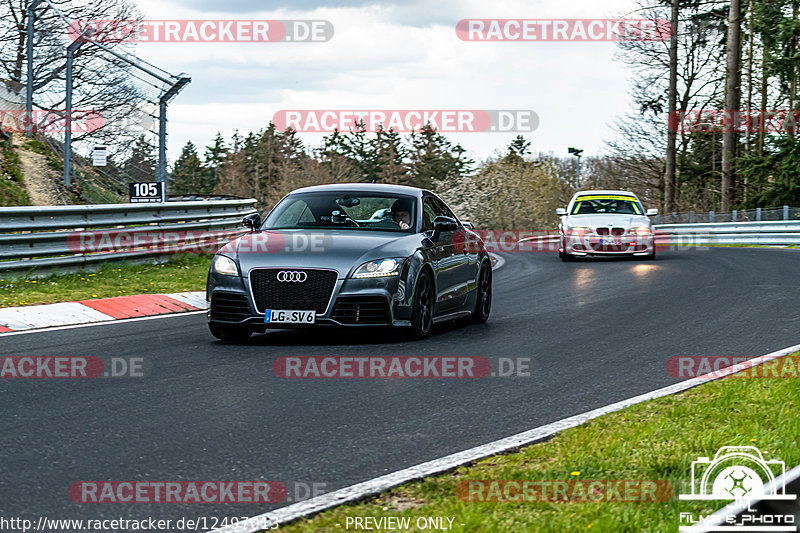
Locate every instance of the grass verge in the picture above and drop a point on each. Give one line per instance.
(12, 190)
(655, 440)
(182, 273)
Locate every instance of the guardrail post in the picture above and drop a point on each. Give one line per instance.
(734, 216)
(758, 214)
(786, 212)
(711, 216)
(691, 217)
(674, 217)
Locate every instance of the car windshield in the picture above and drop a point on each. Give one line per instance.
(606, 204)
(344, 210)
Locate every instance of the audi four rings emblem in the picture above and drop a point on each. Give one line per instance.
(292, 276)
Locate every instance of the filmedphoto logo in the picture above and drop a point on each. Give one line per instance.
(740, 474)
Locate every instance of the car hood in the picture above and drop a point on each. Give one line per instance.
(606, 220)
(341, 250)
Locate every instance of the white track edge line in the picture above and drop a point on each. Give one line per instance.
(104, 323)
(379, 484)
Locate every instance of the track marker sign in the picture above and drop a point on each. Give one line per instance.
(147, 192)
(100, 156)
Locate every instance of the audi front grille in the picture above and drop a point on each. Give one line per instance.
(303, 288)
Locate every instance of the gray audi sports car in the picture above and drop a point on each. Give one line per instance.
(350, 255)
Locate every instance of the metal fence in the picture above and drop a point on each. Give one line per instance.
(40, 240)
(779, 232)
(748, 215)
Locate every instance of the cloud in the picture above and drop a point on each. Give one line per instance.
(394, 55)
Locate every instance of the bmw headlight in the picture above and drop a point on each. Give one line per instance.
(225, 265)
(379, 268)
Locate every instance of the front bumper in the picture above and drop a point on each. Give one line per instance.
(606, 245)
(353, 303)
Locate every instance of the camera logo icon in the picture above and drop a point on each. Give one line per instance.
(737, 473)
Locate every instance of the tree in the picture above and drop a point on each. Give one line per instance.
(519, 147)
(434, 159)
(214, 158)
(141, 163)
(102, 83)
(672, 102)
(732, 96)
(188, 173)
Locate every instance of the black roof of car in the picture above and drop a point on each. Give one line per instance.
(364, 187)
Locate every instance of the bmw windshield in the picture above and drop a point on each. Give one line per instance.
(606, 205)
(344, 210)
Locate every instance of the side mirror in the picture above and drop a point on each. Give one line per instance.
(442, 223)
(652, 212)
(467, 224)
(252, 221)
(561, 211)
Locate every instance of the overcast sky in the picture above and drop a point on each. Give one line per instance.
(395, 55)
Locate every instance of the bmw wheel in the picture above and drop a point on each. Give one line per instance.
(424, 300)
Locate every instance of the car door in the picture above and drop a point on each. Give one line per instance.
(464, 257)
(447, 263)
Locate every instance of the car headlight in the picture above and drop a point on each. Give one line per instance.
(225, 265)
(641, 231)
(579, 231)
(379, 268)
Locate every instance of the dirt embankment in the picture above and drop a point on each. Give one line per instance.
(42, 182)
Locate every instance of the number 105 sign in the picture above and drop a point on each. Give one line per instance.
(147, 192)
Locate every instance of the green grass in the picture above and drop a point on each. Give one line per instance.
(656, 440)
(182, 273)
(12, 191)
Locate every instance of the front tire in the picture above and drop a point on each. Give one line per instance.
(483, 296)
(424, 301)
(230, 333)
(565, 257)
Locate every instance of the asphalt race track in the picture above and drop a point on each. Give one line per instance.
(596, 332)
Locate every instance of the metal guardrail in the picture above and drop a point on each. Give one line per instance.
(55, 237)
(747, 215)
(773, 233)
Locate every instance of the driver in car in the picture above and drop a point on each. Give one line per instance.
(401, 213)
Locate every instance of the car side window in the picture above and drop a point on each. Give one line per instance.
(429, 212)
(446, 211)
(297, 212)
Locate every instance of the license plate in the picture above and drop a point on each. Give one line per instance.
(274, 316)
(608, 242)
